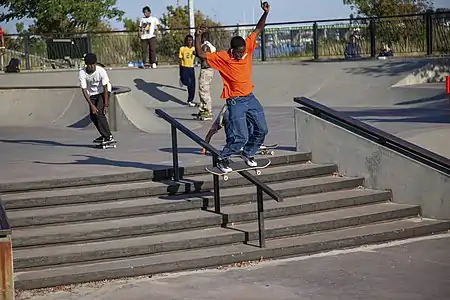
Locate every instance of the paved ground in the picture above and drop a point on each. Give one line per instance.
(417, 269)
(361, 89)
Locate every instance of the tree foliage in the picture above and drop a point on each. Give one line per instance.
(61, 16)
(379, 8)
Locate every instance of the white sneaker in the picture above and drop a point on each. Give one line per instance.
(224, 166)
(250, 161)
(191, 104)
(153, 66)
(262, 147)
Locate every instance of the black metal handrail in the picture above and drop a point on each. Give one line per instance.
(388, 140)
(260, 186)
(5, 228)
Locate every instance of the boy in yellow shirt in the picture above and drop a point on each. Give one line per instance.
(187, 70)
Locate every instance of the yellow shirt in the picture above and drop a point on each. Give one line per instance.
(187, 56)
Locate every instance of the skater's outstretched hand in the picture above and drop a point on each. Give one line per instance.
(265, 6)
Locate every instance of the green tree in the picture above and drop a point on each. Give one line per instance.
(379, 8)
(175, 26)
(61, 16)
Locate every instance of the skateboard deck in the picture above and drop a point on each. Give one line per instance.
(106, 145)
(267, 150)
(239, 166)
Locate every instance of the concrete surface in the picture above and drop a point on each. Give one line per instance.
(362, 89)
(44, 108)
(415, 269)
(411, 182)
(435, 71)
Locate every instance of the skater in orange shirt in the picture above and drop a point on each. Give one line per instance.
(235, 68)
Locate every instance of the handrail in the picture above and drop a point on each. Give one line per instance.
(260, 186)
(5, 228)
(215, 152)
(411, 150)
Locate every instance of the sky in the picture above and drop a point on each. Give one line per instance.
(230, 12)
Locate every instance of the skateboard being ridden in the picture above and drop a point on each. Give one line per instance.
(219, 123)
(238, 167)
(244, 109)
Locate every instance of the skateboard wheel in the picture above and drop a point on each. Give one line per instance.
(225, 177)
(258, 172)
(272, 153)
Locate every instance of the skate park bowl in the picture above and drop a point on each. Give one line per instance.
(65, 106)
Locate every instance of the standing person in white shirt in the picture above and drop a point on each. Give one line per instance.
(95, 84)
(147, 29)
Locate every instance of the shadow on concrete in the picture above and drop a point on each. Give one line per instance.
(161, 173)
(47, 143)
(389, 68)
(438, 97)
(425, 114)
(153, 89)
(83, 123)
(102, 161)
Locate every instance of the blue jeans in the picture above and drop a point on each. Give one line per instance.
(245, 128)
(187, 76)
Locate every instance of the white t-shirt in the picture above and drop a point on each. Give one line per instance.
(147, 27)
(94, 82)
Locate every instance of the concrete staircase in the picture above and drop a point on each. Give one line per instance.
(79, 230)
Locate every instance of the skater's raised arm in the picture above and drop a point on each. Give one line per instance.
(198, 43)
(262, 21)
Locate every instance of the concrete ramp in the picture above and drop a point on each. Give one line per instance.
(133, 115)
(43, 107)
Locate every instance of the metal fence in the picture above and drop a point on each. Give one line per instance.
(411, 35)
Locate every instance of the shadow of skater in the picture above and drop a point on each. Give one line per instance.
(154, 90)
(159, 172)
(46, 143)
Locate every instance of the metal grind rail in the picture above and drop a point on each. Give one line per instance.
(261, 187)
(376, 135)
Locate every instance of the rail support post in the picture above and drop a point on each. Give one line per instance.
(261, 227)
(216, 187)
(176, 169)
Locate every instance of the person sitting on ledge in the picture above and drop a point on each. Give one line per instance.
(385, 51)
(352, 50)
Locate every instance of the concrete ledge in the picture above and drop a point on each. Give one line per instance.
(411, 182)
(436, 71)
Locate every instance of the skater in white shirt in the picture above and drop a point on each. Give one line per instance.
(94, 82)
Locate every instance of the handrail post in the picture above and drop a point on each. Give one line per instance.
(261, 227)
(176, 170)
(216, 187)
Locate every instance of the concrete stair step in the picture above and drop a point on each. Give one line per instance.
(99, 229)
(150, 188)
(298, 219)
(281, 157)
(148, 206)
(228, 254)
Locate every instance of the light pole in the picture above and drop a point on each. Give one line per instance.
(191, 16)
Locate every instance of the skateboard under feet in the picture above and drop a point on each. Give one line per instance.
(267, 150)
(106, 145)
(238, 167)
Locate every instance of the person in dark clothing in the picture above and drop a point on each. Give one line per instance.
(352, 50)
(95, 84)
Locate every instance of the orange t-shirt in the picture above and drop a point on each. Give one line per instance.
(236, 74)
